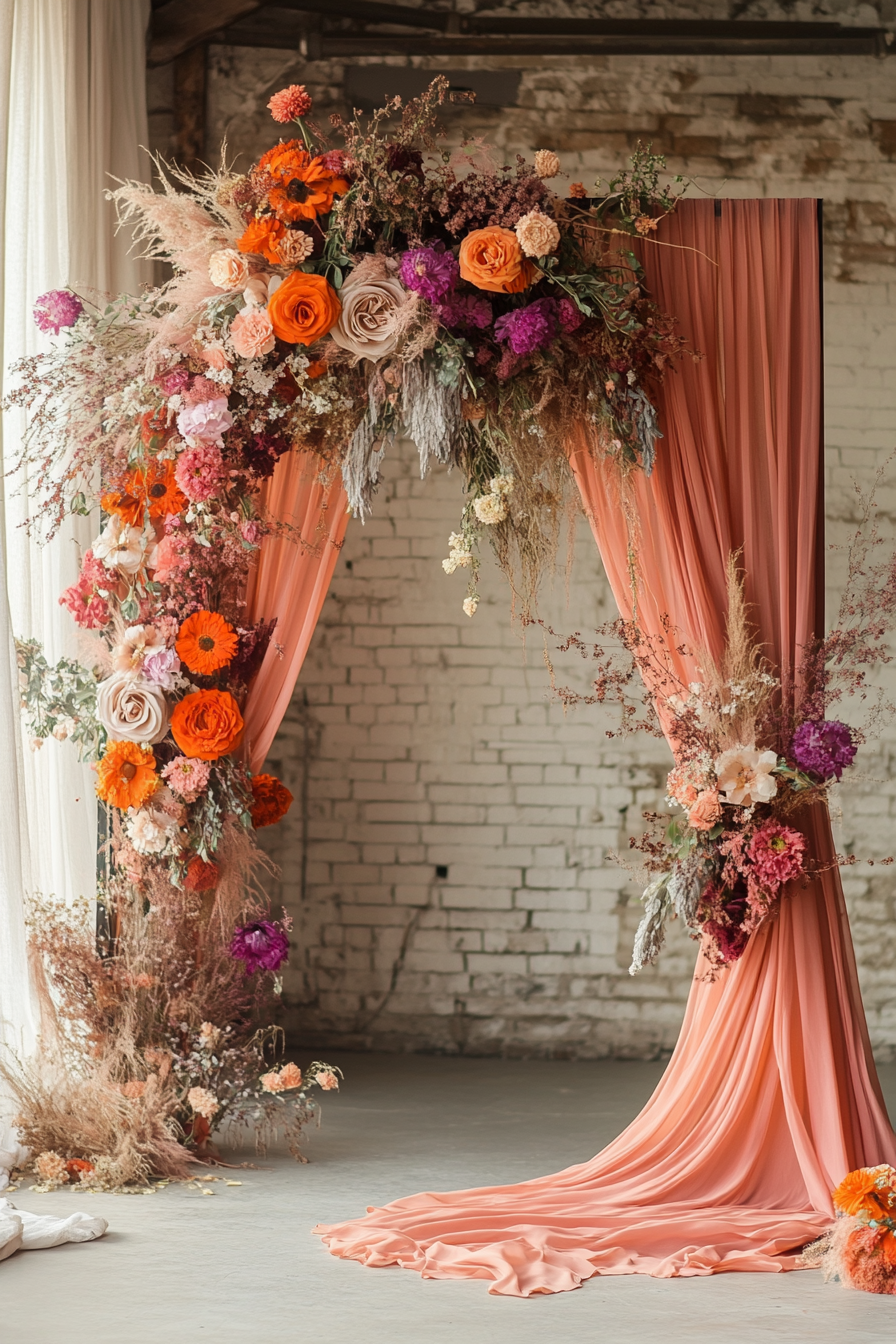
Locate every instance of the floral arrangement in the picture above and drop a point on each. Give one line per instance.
(751, 754)
(317, 303)
(860, 1249)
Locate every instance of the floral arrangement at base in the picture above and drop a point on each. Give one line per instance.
(860, 1249)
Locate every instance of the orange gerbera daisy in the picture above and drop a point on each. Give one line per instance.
(271, 800)
(261, 238)
(126, 776)
(158, 487)
(303, 187)
(857, 1192)
(206, 642)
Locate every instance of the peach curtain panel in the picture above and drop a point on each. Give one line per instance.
(771, 1096)
(290, 583)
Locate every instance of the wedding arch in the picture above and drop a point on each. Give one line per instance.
(235, 418)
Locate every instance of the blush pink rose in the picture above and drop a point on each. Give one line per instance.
(252, 333)
(705, 811)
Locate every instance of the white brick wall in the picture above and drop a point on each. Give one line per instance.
(418, 738)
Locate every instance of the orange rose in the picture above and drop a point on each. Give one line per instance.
(271, 800)
(493, 259)
(304, 308)
(207, 724)
(261, 238)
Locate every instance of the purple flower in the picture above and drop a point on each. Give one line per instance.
(261, 452)
(263, 946)
(569, 315)
(823, 747)
(205, 420)
(429, 271)
(530, 328)
(56, 309)
(465, 310)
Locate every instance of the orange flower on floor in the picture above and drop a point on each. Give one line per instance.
(126, 776)
(303, 309)
(302, 187)
(261, 238)
(857, 1193)
(206, 642)
(271, 800)
(207, 724)
(78, 1167)
(492, 259)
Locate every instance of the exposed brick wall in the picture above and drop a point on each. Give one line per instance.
(420, 739)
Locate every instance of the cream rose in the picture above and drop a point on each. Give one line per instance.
(368, 323)
(252, 333)
(228, 269)
(537, 233)
(131, 709)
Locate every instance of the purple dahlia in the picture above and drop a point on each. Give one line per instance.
(429, 271)
(823, 747)
(56, 309)
(263, 946)
(530, 328)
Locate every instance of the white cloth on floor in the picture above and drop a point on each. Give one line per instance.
(38, 1231)
(10, 1231)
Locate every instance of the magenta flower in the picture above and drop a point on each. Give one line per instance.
(429, 271)
(465, 310)
(263, 946)
(530, 328)
(777, 854)
(205, 420)
(174, 381)
(56, 309)
(824, 747)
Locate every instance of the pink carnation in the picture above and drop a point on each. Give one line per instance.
(201, 389)
(290, 104)
(777, 853)
(199, 471)
(90, 610)
(187, 777)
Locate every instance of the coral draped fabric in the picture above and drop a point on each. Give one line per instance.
(771, 1095)
(290, 583)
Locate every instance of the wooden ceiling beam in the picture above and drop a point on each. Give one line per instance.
(178, 26)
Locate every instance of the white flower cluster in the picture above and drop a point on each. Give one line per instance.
(492, 508)
(460, 555)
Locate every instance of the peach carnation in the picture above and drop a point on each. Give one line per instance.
(546, 163)
(252, 333)
(203, 1102)
(290, 1077)
(537, 233)
(327, 1080)
(705, 810)
(271, 1082)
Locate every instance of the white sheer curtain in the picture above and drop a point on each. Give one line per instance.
(72, 111)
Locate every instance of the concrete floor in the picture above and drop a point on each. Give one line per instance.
(175, 1267)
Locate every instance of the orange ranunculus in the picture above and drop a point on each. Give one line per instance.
(206, 642)
(493, 259)
(303, 308)
(261, 238)
(126, 776)
(271, 800)
(207, 724)
(78, 1167)
(302, 187)
(316, 368)
(856, 1192)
